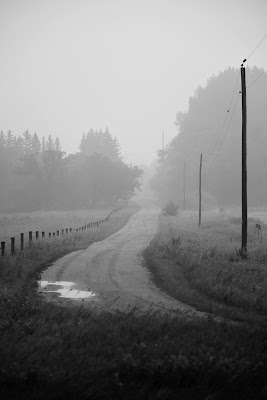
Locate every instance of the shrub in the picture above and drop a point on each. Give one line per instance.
(170, 209)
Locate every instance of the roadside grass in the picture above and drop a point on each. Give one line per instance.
(23, 267)
(48, 351)
(204, 268)
(51, 352)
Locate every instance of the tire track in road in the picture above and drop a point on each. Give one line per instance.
(114, 271)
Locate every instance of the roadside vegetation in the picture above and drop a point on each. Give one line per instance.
(52, 352)
(204, 267)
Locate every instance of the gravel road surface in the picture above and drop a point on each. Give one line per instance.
(111, 275)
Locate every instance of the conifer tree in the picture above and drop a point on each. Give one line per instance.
(36, 144)
(58, 146)
(43, 146)
(2, 140)
(27, 142)
(83, 143)
(10, 140)
(20, 145)
(50, 143)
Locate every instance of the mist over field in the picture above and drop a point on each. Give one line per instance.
(133, 199)
(138, 76)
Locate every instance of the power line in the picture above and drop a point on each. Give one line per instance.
(226, 117)
(256, 47)
(251, 83)
(225, 133)
(229, 122)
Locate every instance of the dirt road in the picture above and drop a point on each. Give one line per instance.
(110, 274)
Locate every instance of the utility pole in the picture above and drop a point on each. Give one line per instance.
(199, 214)
(244, 163)
(184, 185)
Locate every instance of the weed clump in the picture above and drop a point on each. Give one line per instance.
(170, 209)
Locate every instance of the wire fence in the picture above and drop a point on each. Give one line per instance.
(27, 238)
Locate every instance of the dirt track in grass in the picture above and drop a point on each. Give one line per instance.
(110, 275)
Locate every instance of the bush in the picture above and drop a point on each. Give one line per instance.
(170, 209)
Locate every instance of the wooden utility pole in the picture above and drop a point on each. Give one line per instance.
(199, 215)
(244, 163)
(184, 185)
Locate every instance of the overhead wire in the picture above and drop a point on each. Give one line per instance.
(224, 137)
(221, 130)
(256, 47)
(251, 83)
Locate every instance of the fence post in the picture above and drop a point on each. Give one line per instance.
(70, 230)
(37, 234)
(97, 224)
(49, 235)
(77, 229)
(30, 237)
(3, 244)
(54, 234)
(43, 234)
(57, 233)
(62, 232)
(12, 246)
(21, 241)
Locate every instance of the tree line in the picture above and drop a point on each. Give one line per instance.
(211, 127)
(37, 174)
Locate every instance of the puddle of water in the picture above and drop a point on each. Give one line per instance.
(65, 290)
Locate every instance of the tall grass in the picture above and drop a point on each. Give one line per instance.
(207, 262)
(52, 352)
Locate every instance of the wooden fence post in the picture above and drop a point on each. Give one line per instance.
(37, 234)
(57, 233)
(49, 235)
(67, 231)
(54, 234)
(30, 237)
(21, 241)
(62, 232)
(12, 246)
(3, 244)
(70, 230)
(43, 234)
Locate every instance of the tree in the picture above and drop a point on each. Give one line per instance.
(36, 144)
(43, 145)
(27, 142)
(58, 146)
(101, 143)
(50, 144)
(2, 140)
(198, 131)
(10, 140)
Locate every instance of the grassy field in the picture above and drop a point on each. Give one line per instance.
(51, 352)
(47, 221)
(204, 267)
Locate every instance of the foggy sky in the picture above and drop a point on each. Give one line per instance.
(71, 65)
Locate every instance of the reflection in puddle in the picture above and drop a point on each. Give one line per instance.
(64, 289)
